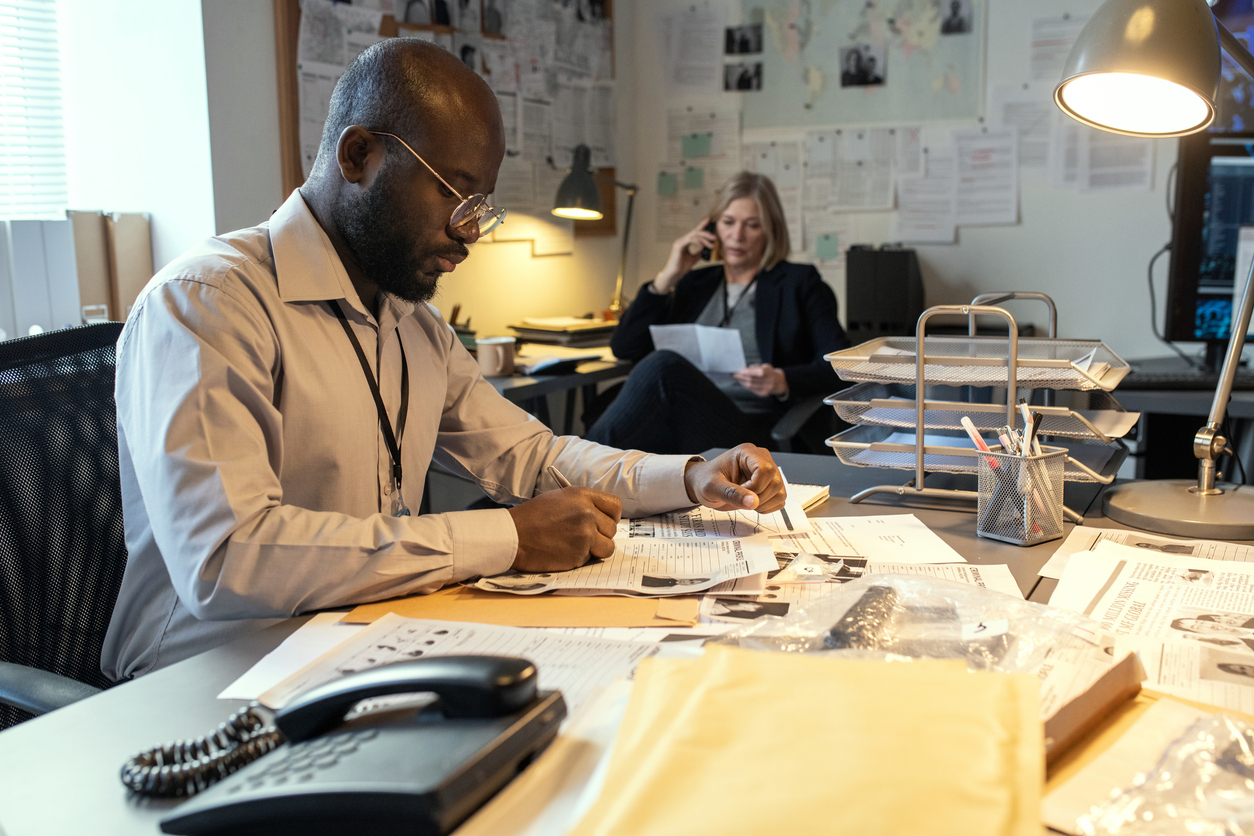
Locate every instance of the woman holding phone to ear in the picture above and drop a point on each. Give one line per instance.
(785, 313)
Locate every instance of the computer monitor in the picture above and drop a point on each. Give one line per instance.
(1212, 238)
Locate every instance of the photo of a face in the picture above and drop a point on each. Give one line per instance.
(1229, 668)
(863, 65)
(957, 19)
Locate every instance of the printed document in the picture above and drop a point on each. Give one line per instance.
(715, 351)
(649, 567)
(1136, 592)
(576, 665)
(706, 523)
(1087, 539)
(895, 538)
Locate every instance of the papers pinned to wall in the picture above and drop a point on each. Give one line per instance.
(550, 65)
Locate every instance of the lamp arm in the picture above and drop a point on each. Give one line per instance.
(1236, 50)
(1208, 443)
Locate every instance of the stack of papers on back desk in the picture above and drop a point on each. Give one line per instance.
(715, 745)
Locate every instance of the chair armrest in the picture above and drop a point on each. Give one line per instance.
(38, 691)
(791, 422)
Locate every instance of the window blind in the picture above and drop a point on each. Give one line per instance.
(32, 133)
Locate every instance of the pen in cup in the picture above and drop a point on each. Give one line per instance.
(562, 481)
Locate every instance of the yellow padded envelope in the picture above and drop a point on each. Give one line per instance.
(751, 742)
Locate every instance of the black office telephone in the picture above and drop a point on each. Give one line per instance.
(413, 770)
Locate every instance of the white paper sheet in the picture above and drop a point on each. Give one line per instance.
(895, 538)
(1052, 39)
(1087, 538)
(511, 118)
(575, 665)
(1111, 161)
(1140, 592)
(706, 523)
(313, 638)
(712, 350)
(1030, 110)
(987, 177)
(649, 567)
(926, 205)
(693, 39)
(537, 128)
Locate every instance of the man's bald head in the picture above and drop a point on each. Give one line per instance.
(414, 89)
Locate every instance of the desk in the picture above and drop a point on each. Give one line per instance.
(529, 391)
(60, 771)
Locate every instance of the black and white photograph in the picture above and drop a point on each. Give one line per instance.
(733, 608)
(956, 18)
(1153, 544)
(1195, 577)
(742, 76)
(655, 582)
(743, 40)
(494, 17)
(1217, 666)
(862, 65)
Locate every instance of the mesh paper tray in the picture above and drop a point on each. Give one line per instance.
(1093, 414)
(981, 361)
(870, 446)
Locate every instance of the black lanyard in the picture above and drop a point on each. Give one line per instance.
(727, 314)
(392, 440)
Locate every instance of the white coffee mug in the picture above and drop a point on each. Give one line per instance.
(496, 356)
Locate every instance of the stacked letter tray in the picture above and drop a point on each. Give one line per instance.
(948, 451)
(1093, 414)
(982, 361)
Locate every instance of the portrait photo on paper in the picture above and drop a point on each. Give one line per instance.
(725, 608)
(743, 40)
(742, 77)
(957, 19)
(863, 65)
(1218, 666)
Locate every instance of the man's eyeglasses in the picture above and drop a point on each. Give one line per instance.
(471, 211)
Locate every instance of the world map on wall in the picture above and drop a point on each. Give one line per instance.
(834, 61)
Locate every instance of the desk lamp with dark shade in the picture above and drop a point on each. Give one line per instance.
(579, 198)
(1151, 68)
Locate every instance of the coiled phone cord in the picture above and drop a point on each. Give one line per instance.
(186, 767)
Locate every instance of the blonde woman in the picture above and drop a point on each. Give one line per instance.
(786, 316)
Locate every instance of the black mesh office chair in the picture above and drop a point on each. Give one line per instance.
(62, 550)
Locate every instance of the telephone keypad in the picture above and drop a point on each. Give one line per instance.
(301, 761)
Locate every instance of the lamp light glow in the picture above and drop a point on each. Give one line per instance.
(1130, 103)
(577, 214)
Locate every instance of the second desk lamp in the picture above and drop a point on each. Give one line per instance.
(579, 198)
(1151, 68)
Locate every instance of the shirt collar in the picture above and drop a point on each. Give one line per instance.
(307, 267)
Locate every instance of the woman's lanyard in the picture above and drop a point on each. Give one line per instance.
(392, 440)
(727, 314)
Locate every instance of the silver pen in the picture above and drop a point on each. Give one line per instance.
(562, 481)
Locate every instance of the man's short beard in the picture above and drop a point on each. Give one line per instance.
(372, 228)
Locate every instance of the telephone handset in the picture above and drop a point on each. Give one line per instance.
(706, 252)
(413, 770)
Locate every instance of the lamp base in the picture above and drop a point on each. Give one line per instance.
(1168, 507)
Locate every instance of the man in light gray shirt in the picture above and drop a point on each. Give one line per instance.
(281, 391)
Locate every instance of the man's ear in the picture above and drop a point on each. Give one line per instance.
(353, 152)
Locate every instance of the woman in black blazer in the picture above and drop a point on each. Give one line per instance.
(785, 313)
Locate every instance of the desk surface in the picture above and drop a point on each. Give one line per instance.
(61, 770)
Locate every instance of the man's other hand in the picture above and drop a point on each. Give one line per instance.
(745, 478)
(562, 529)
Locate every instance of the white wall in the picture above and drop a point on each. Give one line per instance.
(137, 121)
(243, 105)
(1088, 251)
